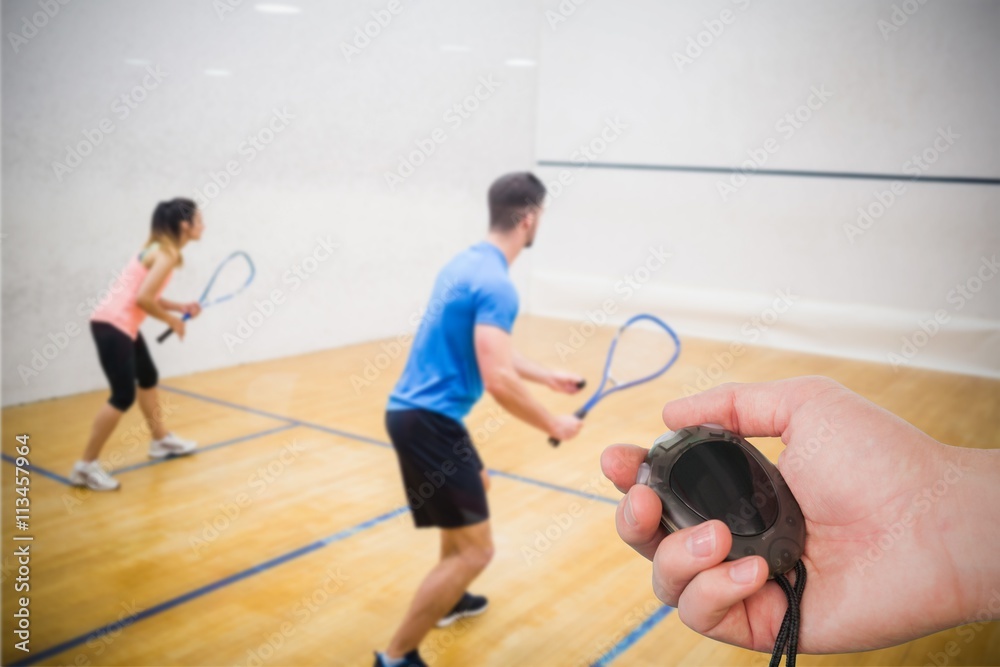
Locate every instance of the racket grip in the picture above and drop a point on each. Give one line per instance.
(580, 414)
(169, 332)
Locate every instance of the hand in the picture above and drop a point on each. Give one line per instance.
(192, 310)
(177, 324)
(566, 383)
(891, 549)
(565, 427)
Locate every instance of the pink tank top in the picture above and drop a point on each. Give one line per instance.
(120, 309)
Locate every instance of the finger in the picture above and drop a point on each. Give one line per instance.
(638, 520)
(758, 409)
(684, 554)
(620, 464)
(708, 600)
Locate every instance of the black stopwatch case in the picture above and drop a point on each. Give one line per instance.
(765, 522)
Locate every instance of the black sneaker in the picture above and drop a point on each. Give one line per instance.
(469, 605)
(411, 659)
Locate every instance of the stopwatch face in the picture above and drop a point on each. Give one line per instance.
(720, 480)
(706, 472)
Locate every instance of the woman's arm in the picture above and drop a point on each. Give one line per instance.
(192, 309)
(163, 264)
(172, 306)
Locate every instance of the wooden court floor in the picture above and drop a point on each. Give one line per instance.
(285, 539)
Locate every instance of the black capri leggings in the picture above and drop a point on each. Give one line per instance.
(124, 361)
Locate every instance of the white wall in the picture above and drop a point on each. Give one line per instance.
(856, 291)
(323, 175)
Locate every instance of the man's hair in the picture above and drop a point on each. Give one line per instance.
(511, 197)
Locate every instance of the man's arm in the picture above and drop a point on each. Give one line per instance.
(568, 383)
(502, 379)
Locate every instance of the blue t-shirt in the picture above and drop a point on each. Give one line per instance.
(442, 374)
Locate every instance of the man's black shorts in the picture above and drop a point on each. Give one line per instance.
(441, 468)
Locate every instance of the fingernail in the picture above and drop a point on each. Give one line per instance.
(744, 571)
(629, 516)
(702, 542)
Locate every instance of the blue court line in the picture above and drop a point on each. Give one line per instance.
(381, 443)
(553, 487)
(207, 448)
(209, 588)
(218, 401)
(345, 434)
(274, 415)
(802, 173)
(336, 537)
(631, 638)
(40, 470)
(153, 462)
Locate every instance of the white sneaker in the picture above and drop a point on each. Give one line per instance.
(93, 476)
(171, 446)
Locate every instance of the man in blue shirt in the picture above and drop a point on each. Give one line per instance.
(462, 347)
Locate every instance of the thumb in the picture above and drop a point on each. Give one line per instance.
(757, 409)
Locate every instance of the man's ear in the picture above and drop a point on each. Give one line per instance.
(528, 219)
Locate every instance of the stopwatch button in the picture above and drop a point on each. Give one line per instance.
(642, 477)
(665, 437)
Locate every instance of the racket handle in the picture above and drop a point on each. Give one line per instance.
(580, 414)
(169, 332)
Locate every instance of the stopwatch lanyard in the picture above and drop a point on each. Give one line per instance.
(787, 641)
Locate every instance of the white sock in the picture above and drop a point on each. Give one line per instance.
(389, 662)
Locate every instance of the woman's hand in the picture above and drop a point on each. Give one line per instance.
(178, 325)
(192, 309)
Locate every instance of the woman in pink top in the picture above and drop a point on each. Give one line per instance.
(123, 352)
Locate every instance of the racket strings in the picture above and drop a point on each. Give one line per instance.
(230, 278)
(639, 353)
